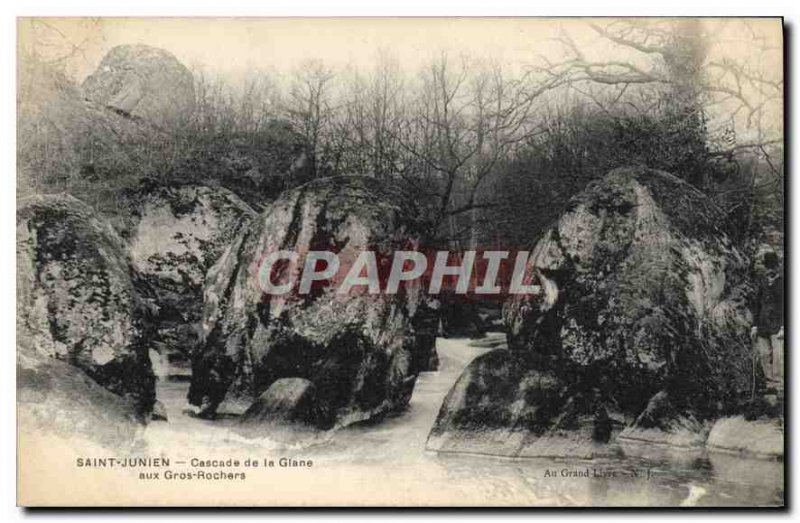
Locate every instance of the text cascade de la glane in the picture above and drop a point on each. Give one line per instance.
(161, 468)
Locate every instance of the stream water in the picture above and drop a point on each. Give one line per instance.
(386, 463)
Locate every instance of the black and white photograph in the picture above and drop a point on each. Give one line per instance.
(401, 262)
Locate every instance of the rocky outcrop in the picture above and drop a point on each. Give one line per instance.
(357, 349)
(76, 301)
(642, 320)
(64, 136)
(178, 233)
(144, 82)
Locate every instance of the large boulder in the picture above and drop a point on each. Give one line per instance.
(357, 350)
(287, 401)
(641, 294)
(142, 81)
(178, 233)
(56, 398)
(499, 407)
(63, 136)
(287, 413)
(76, 301)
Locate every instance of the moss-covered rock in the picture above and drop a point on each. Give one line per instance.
(75, 298)
(499, 407)
(142, 81)
(641, 293)
(177, 232)
(358, 350)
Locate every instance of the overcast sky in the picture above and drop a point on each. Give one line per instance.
(234, 48)
(229, 46)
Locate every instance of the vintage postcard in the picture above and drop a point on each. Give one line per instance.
(400, 262)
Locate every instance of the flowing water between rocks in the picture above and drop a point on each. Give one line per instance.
(386, 462)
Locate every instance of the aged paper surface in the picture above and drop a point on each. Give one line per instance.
(400, 262)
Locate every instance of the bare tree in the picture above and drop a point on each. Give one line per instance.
(367, 121)
(671, 58)
(308, 107)
(465, 121)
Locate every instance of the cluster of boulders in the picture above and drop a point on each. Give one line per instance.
(642, 332)
(92, 304)
(81, 326)
(99, 308)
